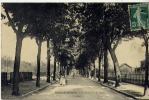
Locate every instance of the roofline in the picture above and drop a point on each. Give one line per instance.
(125, 64)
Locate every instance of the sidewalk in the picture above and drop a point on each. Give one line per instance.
(127, 89)
(26, 88)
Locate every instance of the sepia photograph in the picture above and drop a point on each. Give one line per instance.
(74, 51)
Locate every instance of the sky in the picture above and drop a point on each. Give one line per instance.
(130, 52)
(29, 46)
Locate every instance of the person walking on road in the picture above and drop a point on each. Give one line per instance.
(62, 80)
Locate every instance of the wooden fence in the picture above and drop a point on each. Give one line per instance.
(137, 79)
(23, 76)
(4, 81)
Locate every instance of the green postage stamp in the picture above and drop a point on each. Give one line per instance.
(139, 16)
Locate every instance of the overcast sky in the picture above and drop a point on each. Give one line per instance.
(127, 52)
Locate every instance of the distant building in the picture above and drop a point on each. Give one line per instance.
(125, 68)
(141, 69)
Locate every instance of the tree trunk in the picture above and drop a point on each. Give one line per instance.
(116, 66)
(48, 62)
(89, 71)
(67, 70)
(84, 72)
(54, 71)
(99, 64)
(38, 63)
(64, 70)
(94, 71)
(146, 68)
(60, 69)
(15, 90)
(105, 64)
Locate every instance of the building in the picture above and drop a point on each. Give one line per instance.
(141, 69)
(125, 68)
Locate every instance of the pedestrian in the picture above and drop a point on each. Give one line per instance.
(62, 80)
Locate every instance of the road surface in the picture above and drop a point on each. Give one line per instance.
(78, 88)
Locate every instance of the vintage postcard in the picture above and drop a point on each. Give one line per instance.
(74, 51)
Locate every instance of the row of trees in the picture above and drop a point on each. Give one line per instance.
(102, 23)
(104, 26)
(43, 22)
(98, 27)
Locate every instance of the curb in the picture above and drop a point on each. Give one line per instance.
(124, 93)
(34, 91)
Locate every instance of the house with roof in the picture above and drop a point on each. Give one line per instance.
(125, 68)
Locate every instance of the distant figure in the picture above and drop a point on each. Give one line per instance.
(62, 80)
(73, 72)
(92, 74)
(73, 75)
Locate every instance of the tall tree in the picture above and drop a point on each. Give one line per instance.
(43, 27)
(100, 56)
(38, 31)
(94, 70)
(105, 64)
(18, 20)
(146, 38)
(109, 26)
(55, 18)
(48, 61)
(54, 71)
(39, 43)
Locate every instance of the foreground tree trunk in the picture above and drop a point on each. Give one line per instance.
(54, 71)
(48, 62)
(15, 90)
(38, 62)
(146, 66)
(116, 66)
(105, 64)
(20, 37)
